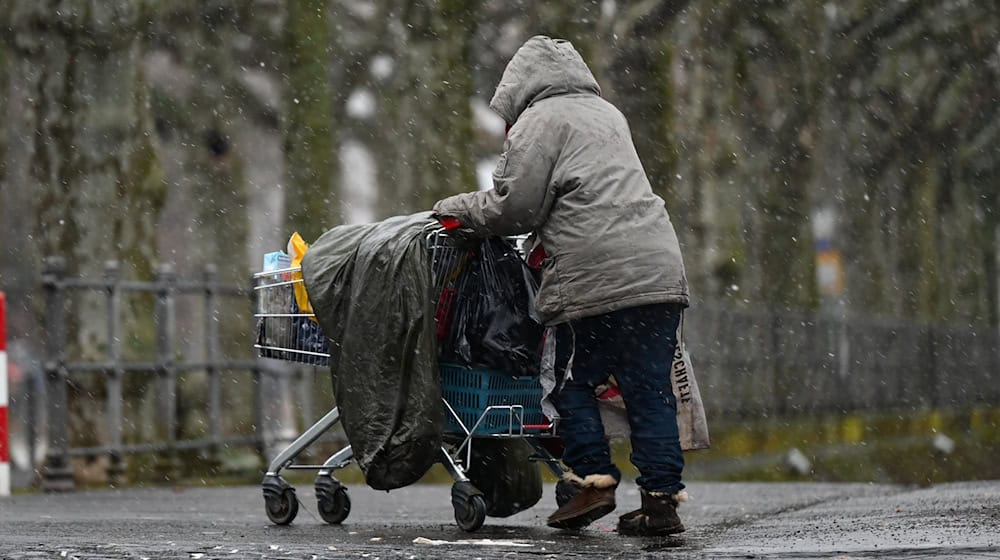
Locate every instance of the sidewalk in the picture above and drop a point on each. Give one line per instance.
(725, 520)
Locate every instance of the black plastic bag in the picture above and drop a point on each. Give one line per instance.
(503, 471)
(300, 333)
(495, 325)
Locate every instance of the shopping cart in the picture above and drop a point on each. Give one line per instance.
(479, 403)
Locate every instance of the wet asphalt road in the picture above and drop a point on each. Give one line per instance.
(725, 520)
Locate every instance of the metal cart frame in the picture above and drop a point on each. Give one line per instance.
(275, 295)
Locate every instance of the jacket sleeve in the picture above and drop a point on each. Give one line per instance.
(522, 195)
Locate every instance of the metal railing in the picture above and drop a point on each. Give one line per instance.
(782, 363)
(163, 366)
(748, 363)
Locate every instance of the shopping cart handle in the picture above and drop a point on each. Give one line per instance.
(449, 222)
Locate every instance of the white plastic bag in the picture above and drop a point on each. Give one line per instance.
(691, 422)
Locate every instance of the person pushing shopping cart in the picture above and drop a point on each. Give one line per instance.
(613, 285)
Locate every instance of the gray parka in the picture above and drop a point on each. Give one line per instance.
(570, 174)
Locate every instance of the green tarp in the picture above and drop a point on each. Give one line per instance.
(370, 287)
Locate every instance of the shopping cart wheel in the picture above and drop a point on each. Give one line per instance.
(280, 501)
(565, 490)
(469, 504)
(281, 510)
(332, 500)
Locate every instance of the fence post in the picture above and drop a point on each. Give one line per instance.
(939, 383)
(31, 403)
(849, 386)
(260, 438)
(211, 367)
(112, 277)
(779, 388)
(166, 367)
(57, 473)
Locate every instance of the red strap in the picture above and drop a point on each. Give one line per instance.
(537, 256)
(449, 222)
(611, 392)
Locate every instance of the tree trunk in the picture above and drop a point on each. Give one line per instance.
(91, 164)
(434, 120)
(313, 203)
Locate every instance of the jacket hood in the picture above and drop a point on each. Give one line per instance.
(541, 68)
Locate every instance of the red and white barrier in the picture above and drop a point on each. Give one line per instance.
(4, 440)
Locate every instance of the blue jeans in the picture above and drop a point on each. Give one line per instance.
(636, 345)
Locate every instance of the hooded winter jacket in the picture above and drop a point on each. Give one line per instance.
(570, 174)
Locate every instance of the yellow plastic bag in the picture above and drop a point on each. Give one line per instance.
(297, 248)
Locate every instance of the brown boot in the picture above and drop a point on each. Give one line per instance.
(657, 516)
(595, 499)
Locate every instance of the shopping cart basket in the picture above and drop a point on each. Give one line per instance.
(479, 403)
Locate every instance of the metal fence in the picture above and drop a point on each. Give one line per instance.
(748, 363)
(163, 369)
(758, 363)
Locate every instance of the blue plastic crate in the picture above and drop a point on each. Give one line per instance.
(471, 391)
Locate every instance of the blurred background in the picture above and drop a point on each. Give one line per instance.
(831, 169)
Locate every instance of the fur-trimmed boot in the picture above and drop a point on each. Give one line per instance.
(657, 516)
(595, 499)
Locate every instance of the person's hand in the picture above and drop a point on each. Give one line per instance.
(464, 237)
